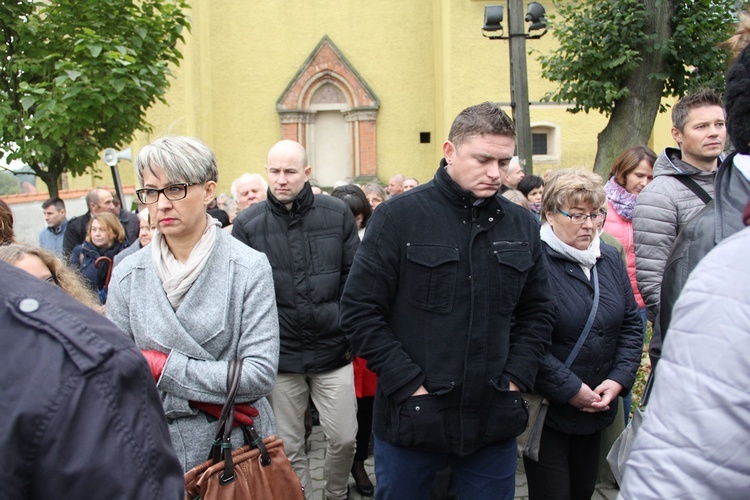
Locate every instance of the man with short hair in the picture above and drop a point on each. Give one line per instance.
(395, 185)
(310, 242)
(98, 201)
(514, 175)
(438, 280)
(51, 237)
(683, 184)
(129, 220)
(249, 189)
(410, 183)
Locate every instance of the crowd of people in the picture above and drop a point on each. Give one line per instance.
(412, 317)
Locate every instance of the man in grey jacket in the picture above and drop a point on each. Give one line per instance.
(683, 184)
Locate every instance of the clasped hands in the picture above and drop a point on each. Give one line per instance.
(596, 400)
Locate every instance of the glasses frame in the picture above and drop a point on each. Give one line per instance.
(163, 191)
(585, 217)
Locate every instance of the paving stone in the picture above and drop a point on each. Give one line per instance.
(316, 454)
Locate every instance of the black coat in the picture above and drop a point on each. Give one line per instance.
(310, 248)
(612, 349)
(75, 233)
(429, 302)
(81, 414)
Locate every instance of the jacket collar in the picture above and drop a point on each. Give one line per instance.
(302, 204)
(59, 229)
(455, 193)
(670, 162)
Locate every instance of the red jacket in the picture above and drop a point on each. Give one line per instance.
(365, 381)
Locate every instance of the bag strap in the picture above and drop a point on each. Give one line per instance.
(589, 321)
(694, 187)
(222, 445)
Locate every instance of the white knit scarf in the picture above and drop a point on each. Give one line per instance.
(176, 277)
(584, 258)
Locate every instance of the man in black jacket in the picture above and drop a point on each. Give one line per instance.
(98, 201)
(310, 242)
(81, 414)
(429, 300)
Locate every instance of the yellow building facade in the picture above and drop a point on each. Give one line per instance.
(370, 88)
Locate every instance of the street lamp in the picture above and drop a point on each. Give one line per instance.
(519, 82)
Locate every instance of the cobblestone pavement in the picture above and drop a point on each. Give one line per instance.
(316, 454)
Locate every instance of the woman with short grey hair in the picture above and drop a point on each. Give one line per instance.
(196, 300)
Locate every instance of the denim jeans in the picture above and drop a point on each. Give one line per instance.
(489, 473)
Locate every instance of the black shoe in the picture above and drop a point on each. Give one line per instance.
(362, 480)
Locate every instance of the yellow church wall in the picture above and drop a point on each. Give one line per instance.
(425, 60)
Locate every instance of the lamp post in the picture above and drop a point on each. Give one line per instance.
(519, 82)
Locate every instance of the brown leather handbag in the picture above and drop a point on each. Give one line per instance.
(257, 470)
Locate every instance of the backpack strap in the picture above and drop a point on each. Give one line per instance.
(694, 187)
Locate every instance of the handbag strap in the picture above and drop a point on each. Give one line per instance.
(222, 445)
(693, 186)
(589, 321)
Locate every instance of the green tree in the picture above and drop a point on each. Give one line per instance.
(8, 183)
(77, 76)
(621, 57)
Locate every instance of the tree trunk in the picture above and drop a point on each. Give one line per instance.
(632, 119)
(50, 176)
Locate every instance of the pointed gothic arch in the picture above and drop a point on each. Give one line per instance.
(330, 109)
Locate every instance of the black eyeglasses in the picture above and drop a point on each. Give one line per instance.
(596, 217)
(173, 192)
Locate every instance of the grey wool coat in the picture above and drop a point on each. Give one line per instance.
(229, 312)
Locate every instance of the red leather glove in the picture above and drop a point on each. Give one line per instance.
(156, 361)
(243, 413)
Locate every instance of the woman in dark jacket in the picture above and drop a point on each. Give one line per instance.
(105, 238)
(583, 398)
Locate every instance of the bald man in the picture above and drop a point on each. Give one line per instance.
(396, 185)
(310, 242)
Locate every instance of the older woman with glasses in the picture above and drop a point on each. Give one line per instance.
(196, 299)
(595, 305)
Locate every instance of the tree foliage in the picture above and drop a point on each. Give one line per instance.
(77, 76)
(615, 54)
(9, 183)
(602, 42)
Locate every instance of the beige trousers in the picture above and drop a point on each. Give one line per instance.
(333, 395)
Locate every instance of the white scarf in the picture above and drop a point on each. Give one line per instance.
(584, 258)
(176, 277)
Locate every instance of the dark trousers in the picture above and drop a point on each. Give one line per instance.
(486, 474)
(364, 429)
(567, 467)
